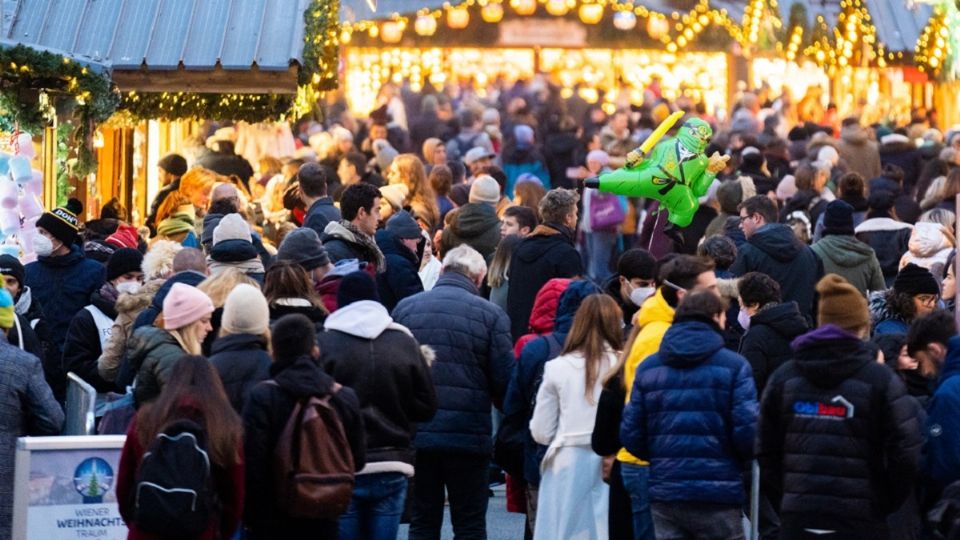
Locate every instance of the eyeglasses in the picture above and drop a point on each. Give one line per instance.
(926, 299)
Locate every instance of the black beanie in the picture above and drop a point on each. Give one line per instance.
(354, 287)
(122, 261)
(11, 266)
(62, 223)
(914, 280)
(881, 200)
(838, 218)
(174, 164)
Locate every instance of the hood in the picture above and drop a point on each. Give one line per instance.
(882, 183)
(188, 277)
(785, 319)
(134, 303)
(239, 342)
(843, 250)
(777, 241)
(881, 224)
(474, 220)
(829, 355)
(879, 309)
(544, 311)
(690, 343)
(655, 309)
(390, 244)
(927, 240)
(364, 319)
(543, 238)
(570, 302)
(854, 135)
(210, 222)
(335, 230)
(301, 377)
(233, 251)
(73, 257)
(25, 302)
(105, 299)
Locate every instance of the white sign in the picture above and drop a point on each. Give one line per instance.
(66, 488)
(528, 32)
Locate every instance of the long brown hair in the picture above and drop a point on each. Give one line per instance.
(287, 279)
(194, 389)
(422, 199)
(596, 327)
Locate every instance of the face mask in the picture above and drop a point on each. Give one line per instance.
(744, 319)
(128, 287)
(43, 246)
(639, 295)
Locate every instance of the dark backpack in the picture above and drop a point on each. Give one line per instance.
(313, 463)
(174, 494)
(461, 146)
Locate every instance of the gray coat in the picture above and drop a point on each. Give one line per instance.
(27, 407)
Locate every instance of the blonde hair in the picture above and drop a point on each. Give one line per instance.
(421, 198)
(187, 337)
(219, 286)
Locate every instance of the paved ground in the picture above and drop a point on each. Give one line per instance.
(501, 525)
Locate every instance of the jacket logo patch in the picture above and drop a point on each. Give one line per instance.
(838, 408)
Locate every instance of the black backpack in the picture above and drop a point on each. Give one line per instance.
(174, 494)
(461, 147)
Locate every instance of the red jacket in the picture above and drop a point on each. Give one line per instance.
(544, 312)
(228, 482)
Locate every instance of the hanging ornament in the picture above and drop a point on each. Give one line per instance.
(391, 32)
(492, 13)
(591, 13)
(624, 20)
(657, 26)
(557, 8)
(524, 7)
(425, 25)
(458, 18)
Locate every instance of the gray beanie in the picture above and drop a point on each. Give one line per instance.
(403, 225)
(303, 247)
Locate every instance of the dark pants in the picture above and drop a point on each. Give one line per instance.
(677, 520)
(375, 508)
(464, 476)
(796, 528)
(620, 518)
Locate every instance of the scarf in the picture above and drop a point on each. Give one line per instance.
(365, 240)
(180, 222)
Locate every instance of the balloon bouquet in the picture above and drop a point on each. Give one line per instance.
(20, 190)
(676, 173)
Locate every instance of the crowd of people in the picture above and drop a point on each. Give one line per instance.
(380, 325)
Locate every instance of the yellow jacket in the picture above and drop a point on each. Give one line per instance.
(653, 319)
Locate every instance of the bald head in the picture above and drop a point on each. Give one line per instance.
(190, 259)
(225, 191)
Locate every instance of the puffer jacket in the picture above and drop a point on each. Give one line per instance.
(362, 348)
(242, 361)
(928, 248)
(471, 338)
(473, 224)
(547, 253)
(518, 404)
(942, 464)
(129, 307)
(839, 440)
(693, 414)
(766, 345)
(852, 260)
(884, 319)
(239, 254)
(82, 348)
(153, 352)
(544, 313)
(889, 240)
(402, 278)
(774, 250)
(859, 153)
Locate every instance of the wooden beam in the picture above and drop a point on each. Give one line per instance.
(215, 81)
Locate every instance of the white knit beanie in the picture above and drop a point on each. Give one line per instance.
(231, 227)
(245, 311)
(485, 190)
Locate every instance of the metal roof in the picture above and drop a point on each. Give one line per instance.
(167, 34)
(898, 26)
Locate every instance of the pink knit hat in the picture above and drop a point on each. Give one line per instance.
(184, 305)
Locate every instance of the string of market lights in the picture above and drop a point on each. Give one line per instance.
(938, 48)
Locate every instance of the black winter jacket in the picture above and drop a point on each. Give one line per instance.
(889, 239)
(474, 356)
(839, 440)
(82, 349)
(774, 250)
(242, 361)
(381, 361)
(547, 253)
(401, 278)
(766, 345)
(265, 414)
(285, 307)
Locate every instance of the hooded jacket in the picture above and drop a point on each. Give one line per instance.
(402, 278)
(242, 361)
(544, 313)
(902, 153)
(320, 213)
(82, 348)
(518, 404)
(692, 414)
(889, 240)
(519, 161)
(774, 250)
(149, 314)
(859, 153)
(62, 285)
(838, 437)
(153, 352)
(473, 361)
(341, 244)
(852, 260)
(473, 224)
(265, 415)
(361, 347)
(942, 465)
(239, 254)
(547, 253)
(766, 345)
(928, 248)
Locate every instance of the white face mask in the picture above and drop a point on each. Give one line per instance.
(128, 287)
(43, 246)
(744, 319)
(639, 295)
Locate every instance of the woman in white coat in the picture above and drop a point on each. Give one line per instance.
(573, 499)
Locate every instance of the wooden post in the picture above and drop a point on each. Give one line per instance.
(49, 158)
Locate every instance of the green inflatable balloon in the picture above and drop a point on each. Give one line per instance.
(676, 173)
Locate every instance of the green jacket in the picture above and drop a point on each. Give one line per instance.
(153, 352)
(852, 260)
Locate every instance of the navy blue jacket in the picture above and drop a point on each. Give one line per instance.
(693, 415)
(320, 213)
(149, 315)
(474, 356)
(942, 466)
(401, 278)
(242, 361)
(528, 373)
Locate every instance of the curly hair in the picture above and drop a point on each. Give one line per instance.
(901, 304)
(557, 204)
(720, 248)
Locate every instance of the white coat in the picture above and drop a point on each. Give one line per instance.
(573, 500)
